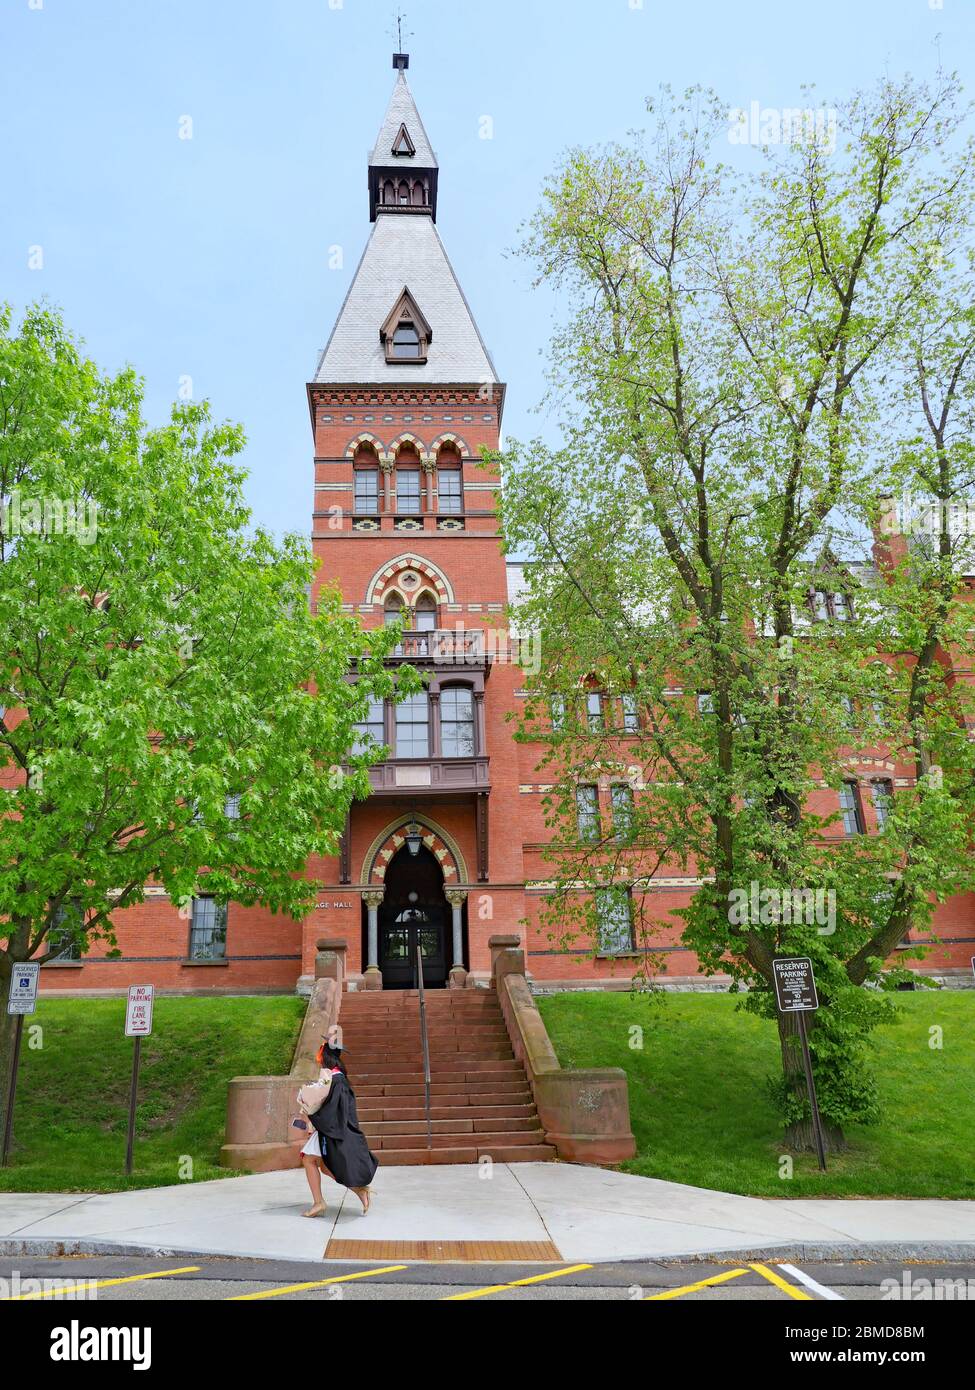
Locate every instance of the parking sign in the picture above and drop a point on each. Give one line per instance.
(23, 988)
(795, 985)
(138, 1013)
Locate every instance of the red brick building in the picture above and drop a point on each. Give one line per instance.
(446, 853)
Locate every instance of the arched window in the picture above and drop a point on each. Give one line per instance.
(450, 484)
(851, 809)
(406, 341)
(882, 791)
(426, 614)
(366, 475)
(389, 191)
(457, 738)
(408, 490)
(393, 610)
(419, 197)
(404, 193)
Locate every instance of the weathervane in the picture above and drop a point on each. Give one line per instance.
(398, 35)
(400, 59)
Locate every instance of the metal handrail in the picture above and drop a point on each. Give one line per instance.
(424, 1038)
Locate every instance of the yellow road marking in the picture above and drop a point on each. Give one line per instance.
(319, 1284)
(101, 1284)
(780, 1283)
(693, 1288)
(515, 1283)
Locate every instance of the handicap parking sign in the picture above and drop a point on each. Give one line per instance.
(23, 989)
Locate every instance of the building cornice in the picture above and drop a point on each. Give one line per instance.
(402, 393)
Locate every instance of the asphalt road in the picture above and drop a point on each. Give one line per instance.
(135, 1279)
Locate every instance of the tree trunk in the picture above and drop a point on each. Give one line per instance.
(800, 1135)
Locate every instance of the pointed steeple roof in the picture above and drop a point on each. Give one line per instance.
(405, 251)
(404, 263)
(402, 112)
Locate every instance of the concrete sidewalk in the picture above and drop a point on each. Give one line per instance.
(588, 1214)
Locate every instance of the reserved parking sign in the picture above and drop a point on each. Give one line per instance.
(23, 988)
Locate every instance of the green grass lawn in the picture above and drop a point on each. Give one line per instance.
(73, 1095)
(701, 1115)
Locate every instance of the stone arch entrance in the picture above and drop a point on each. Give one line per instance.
(414, 913)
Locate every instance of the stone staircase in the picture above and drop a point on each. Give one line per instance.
(481, 1103)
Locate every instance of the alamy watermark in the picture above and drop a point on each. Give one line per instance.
(912, 1289)
(911, 516)
(765, 907)
(783, 125)
(464, 646)
(15, 1288)
(22, 515)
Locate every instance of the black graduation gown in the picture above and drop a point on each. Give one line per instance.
(347, 1155)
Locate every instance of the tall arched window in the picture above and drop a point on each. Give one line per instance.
(404, 193)
(419, 197)
(393, 610)
(851, 810)
(426, 614)
(882, 791)
(450, 485)
(457, 738)
(389, 191)
(366, 476)
(408, 490)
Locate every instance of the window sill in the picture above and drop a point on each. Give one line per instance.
(631, 954)
(203, 964)
(63, 965)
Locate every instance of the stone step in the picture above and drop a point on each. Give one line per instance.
(515, 1093)
(434, 1002)
(500, 1153)
(372, 1113)
(380, 1046)
(509, 1138)
(399, 1001)
(442, 1018)
(436, 1018)
(408, 1027)
(397, 1060)
(401, 1073)
(381, 1129)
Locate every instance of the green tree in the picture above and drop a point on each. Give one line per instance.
(160, 666)
(724, 368)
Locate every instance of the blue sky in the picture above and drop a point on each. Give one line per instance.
(208, 258)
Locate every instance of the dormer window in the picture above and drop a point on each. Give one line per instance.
(828, 604)
(403, 146)
(406, 335)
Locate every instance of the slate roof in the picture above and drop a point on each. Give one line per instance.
(402, 111)
(405, 251)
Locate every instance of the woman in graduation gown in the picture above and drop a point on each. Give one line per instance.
(347, 1156)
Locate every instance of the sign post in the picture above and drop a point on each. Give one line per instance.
(795, 993)
(22, 1000)
(138, 1025)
